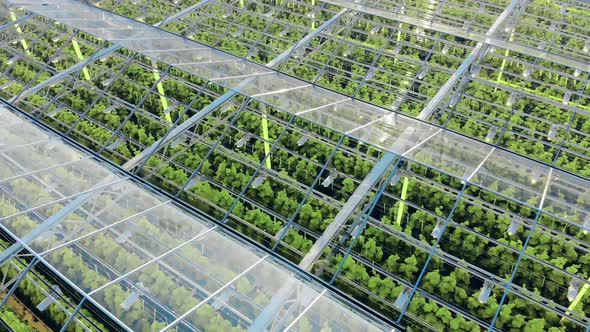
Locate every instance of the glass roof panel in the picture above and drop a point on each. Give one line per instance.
(241, 73)
(466, 157)
(264, 287)
(121, 206)
(279, 179)
(29, 158)
(11, 135)
(514, 176)
(122, 244)
(569, 196)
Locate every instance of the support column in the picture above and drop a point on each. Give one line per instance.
(264, 121)
(23, 42)
(81, 57)
(404, 196)
(160, 87)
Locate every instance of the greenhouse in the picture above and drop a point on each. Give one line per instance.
(273, 165)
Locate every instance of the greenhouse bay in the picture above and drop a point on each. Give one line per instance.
(273, 165)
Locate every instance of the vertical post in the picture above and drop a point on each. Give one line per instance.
(23, 42)
(347, 210)
(399, 30)
(506, 53)
(81, 57)
(161, 91)
(366, 215)
(252, 178)
(265, 136)
(307, 194)
(213, 146)
(431, 254)
(400, 210)
(523, 251)
(313, 16)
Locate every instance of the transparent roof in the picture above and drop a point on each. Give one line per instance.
(149, 246)
(472, 160)
(420, 156)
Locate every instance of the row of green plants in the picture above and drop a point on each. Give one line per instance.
(236, 176)
(392, 55)
(74, 262)
(14, 321)
(30, 293)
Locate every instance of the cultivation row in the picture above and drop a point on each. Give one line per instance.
(540, 111)
(34, 289)
(14, 321)
(557, 27)
(401, 67)
(155, 228)
(239, 161)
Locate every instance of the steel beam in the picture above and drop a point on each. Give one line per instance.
(72, 316)
(476, 53)
(182, 13)
(303, 41)
(272, 308)
(347, 210)
(17, 282)
(176, 131)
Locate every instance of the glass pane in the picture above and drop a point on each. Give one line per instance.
(513, 176)
(327, 314)
(264, 297)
